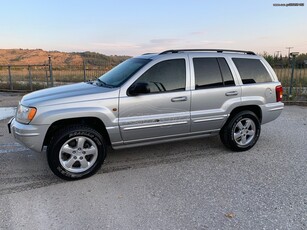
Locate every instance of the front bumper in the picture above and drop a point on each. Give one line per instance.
(31, 136)
(9, 124)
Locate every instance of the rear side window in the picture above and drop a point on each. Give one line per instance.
(252, 71)
(211, 73)
(166, 76)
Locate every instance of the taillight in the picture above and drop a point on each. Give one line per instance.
(278, 90)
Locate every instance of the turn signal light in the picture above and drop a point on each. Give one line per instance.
(31, 113)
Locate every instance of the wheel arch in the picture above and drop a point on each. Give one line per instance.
(93, 122)
(253, 108)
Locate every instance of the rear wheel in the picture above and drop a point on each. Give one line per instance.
(241, 132)
(76, 152)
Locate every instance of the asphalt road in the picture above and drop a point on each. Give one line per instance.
(194, 184)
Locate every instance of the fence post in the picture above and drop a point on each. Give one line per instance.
(84, 71)
(292, 73)
(50, 70)
(30, 78)
(10, 78)
(47, 80)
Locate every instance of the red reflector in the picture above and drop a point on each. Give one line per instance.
(278, 93)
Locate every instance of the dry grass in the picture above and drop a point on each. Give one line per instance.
(37, 57)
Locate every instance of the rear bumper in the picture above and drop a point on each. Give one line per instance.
(271, 111)
(31, 136)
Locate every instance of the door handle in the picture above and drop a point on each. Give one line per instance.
(231, 93)
(177, 99)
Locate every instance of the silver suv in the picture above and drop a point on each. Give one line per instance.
(153, 98)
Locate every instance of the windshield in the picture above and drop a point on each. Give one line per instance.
(121, 73)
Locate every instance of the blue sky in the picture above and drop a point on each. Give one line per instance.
(134, 27)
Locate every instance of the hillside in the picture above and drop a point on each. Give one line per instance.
(39, 56)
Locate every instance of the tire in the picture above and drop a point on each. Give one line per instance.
(241, 132)
(76, 152)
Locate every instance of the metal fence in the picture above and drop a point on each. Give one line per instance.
(24, 77)
(295, 88)
(33, 77)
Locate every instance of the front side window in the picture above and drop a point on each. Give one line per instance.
(165, 76)
(252, 70)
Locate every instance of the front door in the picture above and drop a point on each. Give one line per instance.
(162, 112)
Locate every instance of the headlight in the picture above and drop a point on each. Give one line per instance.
(25, 114)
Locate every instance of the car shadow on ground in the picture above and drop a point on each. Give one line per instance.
(36, 173)
(167, 153)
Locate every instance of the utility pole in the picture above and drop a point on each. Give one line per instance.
(289, 48)
(278, 52)
(276, 56)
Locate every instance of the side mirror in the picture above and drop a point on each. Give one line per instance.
(138, 88)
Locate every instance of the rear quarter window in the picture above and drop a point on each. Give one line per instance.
(252, 71)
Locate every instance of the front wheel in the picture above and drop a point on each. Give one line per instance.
(76, 152)
(241, 132)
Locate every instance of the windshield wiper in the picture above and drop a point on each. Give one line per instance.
(102, 83)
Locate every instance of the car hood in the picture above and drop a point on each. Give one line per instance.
(68, 94)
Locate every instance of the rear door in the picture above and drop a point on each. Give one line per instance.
(164, 111)
(215, 92)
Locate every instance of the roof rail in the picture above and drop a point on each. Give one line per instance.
(208, 50)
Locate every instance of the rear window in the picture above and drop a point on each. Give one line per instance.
(252, 71)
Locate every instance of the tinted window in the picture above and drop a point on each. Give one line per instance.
(211, 72)
(252, 70)
(226, 73)
(167, 75)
